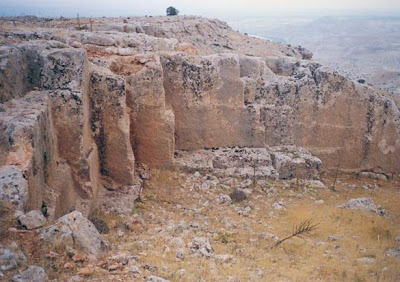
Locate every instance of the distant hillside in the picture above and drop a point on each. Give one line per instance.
(360, 48)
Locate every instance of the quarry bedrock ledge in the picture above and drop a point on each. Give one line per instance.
(79, 108)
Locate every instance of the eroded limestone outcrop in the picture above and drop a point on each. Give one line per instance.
(46, 134)
(79, 108)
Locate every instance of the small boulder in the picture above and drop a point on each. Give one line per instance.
(277, 206)
(180, 255)
(134, 269)
(375, 176)
(224, 199)
(245, 212)
(291, 161)
(11, 257)
(363, 204)
(33, 273)
(366, 260)
(153, 278)
(395, 252)
(32, 220)
(201, 246)
(315, 184)
(75, 229)
(225, 259)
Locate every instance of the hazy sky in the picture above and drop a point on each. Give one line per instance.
(216, 8)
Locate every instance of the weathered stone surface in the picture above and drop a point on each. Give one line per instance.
(32, 220)
(292, 162)
(273, 162)
(63, 69)
(315, 184)
(25, 128)
(40, 140)
(364, 204)
(11, 257)
(109, 122)
(305, 53)
(154, 278)
(13, 186)
(244, 163)
(201, 246)
(395, 252)
(282, 65)
(11, 74)
(33, 273)
(186, 48)
(152, 124)
(75, 228)
(44, 64)
(57, 234)
(225, 259)
(74, 145)
(90, 38)
(119, 201)
(202, 90)
(376, 176)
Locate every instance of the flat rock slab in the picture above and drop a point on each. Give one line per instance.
(281, 162)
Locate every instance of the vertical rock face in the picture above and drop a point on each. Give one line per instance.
(207, 97)
(340, 121)
(46, 133)
(12, 74)
(25, 127)
(152, 124)
(281, 101)
(109, 123)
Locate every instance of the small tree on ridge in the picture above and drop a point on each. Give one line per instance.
(172, 11)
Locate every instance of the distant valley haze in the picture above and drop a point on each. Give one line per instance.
(221, 9)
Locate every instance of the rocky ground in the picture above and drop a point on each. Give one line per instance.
(199, 227)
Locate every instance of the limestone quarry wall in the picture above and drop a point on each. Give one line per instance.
(227, 100)
(46, 137)
(75, 120)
